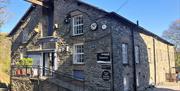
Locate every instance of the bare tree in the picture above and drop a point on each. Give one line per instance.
(173, 34)
(3, 11)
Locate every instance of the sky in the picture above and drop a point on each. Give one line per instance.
(154, 15)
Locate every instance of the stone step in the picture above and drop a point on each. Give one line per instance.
(66, 85)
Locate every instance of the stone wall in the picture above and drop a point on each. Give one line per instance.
(27, 84)
(164, 58)
(94, 41)
(99, 41)
(27, 27)
(24, 84)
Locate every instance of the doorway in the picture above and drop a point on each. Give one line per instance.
(48, 63)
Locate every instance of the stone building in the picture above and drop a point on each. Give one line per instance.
(79, 47)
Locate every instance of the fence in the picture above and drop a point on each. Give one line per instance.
(36, 71)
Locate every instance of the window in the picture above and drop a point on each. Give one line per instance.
(78, 56)
(78, 25)
(137, 54)
(79, 74)
(137, 79)
(124, 54)
(149, 54)
(126, 83)
(25, 36)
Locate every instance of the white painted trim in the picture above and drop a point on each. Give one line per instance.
(74, 25)
(103, 62)
(75, 62)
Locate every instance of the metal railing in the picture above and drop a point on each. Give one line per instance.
(36, 71)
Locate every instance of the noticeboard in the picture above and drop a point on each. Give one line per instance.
(106, 75)
(103, 57)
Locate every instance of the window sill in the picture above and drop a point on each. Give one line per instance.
(74, 35)
(104, 62)
(78, 63)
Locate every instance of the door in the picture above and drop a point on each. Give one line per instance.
(48, 63)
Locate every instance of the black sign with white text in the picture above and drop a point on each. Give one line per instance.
(103, 57)
(106, 75)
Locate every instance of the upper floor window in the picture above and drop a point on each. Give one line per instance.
(137, 52)
(25, 36)
(124, 53)
(78, 56)
(78, 25)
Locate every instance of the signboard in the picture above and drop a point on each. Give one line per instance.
(106, 75)
(103, 57)
(107, 67)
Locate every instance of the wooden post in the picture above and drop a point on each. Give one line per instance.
(37, 2)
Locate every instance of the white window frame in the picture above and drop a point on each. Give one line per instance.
(126, 83)
(124, 49)
(75, 61)
(137, 54)
(77, 25)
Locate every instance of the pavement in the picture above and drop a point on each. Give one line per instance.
(167, 87)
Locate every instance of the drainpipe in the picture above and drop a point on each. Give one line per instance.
(154, 50)
(133, 56)
(112, 63)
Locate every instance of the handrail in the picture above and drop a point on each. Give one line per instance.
(57, 74)
(33, 67)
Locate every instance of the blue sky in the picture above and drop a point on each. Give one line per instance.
(154, 15)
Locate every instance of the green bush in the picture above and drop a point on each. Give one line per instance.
(25, 62)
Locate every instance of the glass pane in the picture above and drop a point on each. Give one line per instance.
(137, 54)
(79, 74)
(78, 24)
(124, 53)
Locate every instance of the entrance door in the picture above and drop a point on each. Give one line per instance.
(48, 63)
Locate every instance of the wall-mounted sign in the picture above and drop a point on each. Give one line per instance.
(107, 67)
(106, 75)
(94, 26)
(104, 26)
(103, 57)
